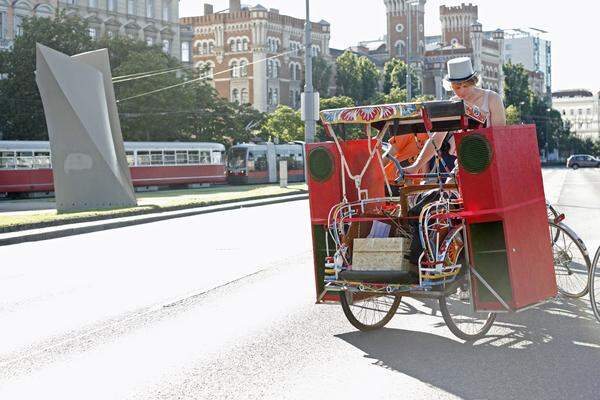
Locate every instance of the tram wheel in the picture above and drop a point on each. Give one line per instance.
(459, 316)
(571, 261)
(369, 312)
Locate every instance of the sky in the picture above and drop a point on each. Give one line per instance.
(575, 57)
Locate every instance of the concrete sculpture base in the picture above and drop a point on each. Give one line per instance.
(88, 156)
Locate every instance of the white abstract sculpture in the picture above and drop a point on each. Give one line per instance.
(88, 156)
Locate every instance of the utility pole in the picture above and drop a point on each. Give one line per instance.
(409, 52)
(310, 125)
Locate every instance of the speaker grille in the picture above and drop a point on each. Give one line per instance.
(475, 153)
(320, 164)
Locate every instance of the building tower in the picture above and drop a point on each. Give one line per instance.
(476, 40)
(456, 24)
(498, 37)
(404, 16)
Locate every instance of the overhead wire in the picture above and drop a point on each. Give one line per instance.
(140, 75)
(203, 77)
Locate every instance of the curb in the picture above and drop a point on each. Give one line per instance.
(120, 222)
(47, 224)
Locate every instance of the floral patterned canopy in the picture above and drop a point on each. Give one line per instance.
(385, 112)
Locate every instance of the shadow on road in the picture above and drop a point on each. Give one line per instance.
(551, 352)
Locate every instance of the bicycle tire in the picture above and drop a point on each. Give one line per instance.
(482, 326)
(353, 316)
(570, 283)
(593, 285)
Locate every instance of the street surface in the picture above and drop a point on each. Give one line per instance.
(222, 306)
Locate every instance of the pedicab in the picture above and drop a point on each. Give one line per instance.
(483, 228)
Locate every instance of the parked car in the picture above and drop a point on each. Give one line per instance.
(582, 160)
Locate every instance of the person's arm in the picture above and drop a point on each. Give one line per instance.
(498, 117)
(426, 153)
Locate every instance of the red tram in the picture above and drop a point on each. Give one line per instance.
(26, 167)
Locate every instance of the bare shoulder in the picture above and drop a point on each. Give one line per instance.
(495, 97)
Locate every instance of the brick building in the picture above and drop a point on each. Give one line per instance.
(239, 48)
(463, 36)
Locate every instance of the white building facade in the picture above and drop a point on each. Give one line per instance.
(13, 12)
(582, 109)
(154, 21)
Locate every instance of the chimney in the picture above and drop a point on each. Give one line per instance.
(208, 9)
(235, 6)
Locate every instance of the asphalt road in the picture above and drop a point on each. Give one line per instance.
(222, 306)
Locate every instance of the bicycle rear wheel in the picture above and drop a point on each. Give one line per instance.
(369, 312)
(571, 261)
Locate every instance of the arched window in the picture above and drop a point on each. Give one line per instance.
(232, 45)
(245, 44)
(243, 68)
(234, 69)
(211, 47)
(239, 45)
(245, 99)
(269, 68)
(298, 72)
(270, 96)
(204, 48)
(235, 96)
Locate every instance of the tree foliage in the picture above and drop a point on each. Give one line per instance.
(356, 77)
(322, 72)
(516, 87)
(394, 77)
(284, 124)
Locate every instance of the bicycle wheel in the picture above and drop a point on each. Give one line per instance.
(369, 312)
(571, 261)
(458, 313)
(595, 285)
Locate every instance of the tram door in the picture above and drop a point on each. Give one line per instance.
(272, 162)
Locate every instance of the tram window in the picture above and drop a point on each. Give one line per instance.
(169, 157)
(205, 157)
(216, 157)
(143, 158)
(194, 157)
(237, 158)
(24, 159)
(156, 157)
(7, 159)
(42, 159)
(260, 161)
(182, 157)
(130, 158)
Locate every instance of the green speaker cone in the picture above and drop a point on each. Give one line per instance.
(475, 153)
(320, 164)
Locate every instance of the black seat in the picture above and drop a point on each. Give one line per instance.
(397, 277)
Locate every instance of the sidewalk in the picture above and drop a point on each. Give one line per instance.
(52, 232)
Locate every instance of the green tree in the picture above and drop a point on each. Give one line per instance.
(516, 87)
(336, 102)
(348, 76)
(284, 124)
(394, 76)
(22, 115)
(369, 79)
(322, 71)
(512, 115)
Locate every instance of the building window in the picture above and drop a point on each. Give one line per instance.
(232, 45)
(399, 28)
(149, 8)
(166, 13)
(2, 25)
(239, 45)
(211, 47)
(235, 96)
(243, 68)
(166, 46)
(204, 48)
(93, 32)
(111, 5)
(93, 3)
(234, 70)
(110, 34)
(131, 7)
(185, 51)
(245, 98)
(400, 48)
(18, 22)
(150, 41)
(245, 44)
